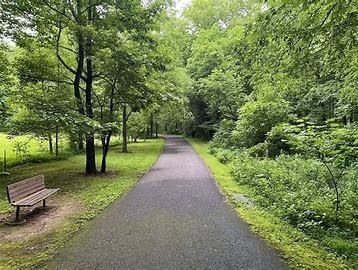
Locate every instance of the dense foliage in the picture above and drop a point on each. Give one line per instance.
(274, 87)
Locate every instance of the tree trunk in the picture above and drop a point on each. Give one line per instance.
(107, 139)
(105, 149)
(78, 70)
(77, 84)
(156, 129)
(80, 141)
(90, 147)
(90, 155)
(56, 141)
(151, 125)
(50, 143)
(124, 130)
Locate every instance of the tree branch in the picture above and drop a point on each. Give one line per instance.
(58, 51)
(93, 5)
(73, 12)
(328, 14)
(129, 114)
(68, 49)
(57, 11)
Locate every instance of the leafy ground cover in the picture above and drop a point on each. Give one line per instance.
(80, 199)
(299, 249)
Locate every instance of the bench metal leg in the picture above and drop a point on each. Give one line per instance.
(44, 203)
(17, 213)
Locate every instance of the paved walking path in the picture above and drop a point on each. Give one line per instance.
(175, 218)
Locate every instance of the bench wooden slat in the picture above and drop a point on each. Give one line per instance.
(15, 187)
(36, 197)
(24, 188)
(33, 197)
(18, 194)
(25, 185)
(23, 182)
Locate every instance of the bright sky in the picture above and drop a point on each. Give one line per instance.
(181, 4)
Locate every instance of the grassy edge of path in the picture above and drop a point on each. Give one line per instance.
(94, 193)
(295, 247)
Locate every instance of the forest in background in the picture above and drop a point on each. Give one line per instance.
(272, 85)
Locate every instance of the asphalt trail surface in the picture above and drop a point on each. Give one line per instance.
(175, 218)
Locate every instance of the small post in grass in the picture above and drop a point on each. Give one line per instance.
(4, 165)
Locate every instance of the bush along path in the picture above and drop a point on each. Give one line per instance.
(300, 250)
(175, 218)
(80, 199)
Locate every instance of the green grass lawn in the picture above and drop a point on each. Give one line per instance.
(7, 143)
(34, 146)
(94, 193)
(300, 251)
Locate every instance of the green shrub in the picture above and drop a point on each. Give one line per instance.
(223, 136)
(295, 188)
(278, 140)
(21, 149)
(256, 118)
(224, 156)
(38, 158)
(259, 150)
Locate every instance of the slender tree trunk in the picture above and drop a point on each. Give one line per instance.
(50, 143)
(78, 70)
(156, 129)
(105, 149)
(124, 130)
(77, 84)
(90, 147)
(56, 141)
(144, 134)
(151, 125)
(107, 139)
(337, 201)
(104, 158)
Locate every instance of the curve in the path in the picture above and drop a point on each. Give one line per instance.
(175, 218)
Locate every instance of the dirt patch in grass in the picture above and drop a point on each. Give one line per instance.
(39, 220)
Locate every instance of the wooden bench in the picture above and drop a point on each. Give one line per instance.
(28, 192)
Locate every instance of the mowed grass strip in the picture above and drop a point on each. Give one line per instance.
(298, 249)
(33, 150)
(34, 146)
(94, 193)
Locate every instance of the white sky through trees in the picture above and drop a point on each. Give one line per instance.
(181, 4)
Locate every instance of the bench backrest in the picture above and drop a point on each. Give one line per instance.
(24, 188)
